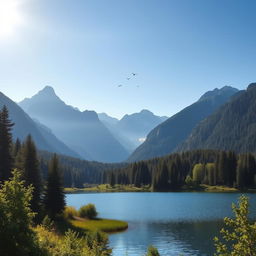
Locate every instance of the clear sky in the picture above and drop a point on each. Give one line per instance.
(86, 48)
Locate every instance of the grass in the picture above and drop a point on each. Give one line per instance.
(209, 188)
(131, 188)
(104, 225)
(108, 188)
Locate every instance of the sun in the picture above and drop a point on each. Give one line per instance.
(10, 17)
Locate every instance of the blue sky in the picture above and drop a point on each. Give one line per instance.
(86, 48)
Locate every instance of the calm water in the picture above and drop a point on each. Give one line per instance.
(176, 223)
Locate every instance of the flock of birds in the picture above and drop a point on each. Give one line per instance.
(128, 78)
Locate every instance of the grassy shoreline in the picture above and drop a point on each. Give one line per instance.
(98, 224)
(129, 188)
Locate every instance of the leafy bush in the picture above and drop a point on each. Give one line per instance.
(239, 235)
(88, 211)
(72, 243)
(16, 219)
(70, 212)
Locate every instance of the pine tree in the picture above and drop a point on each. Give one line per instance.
(241, 171)
(31, 172)
(6, 160)
(54, 199)
(16, 147)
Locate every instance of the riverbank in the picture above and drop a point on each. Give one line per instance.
(130, 188)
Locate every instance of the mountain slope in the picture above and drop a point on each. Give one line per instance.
(81, 131)
(165, 138)
(232, 127)
(132, 129)
(24, 125)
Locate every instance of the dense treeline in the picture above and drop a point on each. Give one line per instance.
(77, 172)
(210, 167)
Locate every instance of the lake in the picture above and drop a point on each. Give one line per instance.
(176, 223)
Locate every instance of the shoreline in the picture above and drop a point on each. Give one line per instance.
(131, 189)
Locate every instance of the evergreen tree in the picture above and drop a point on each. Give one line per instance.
(16, 147)
(112, 181)
(54, 199)
(231, 168)
(6, 160)
(241, 171)
(161, 178)
(221, 165)
(250, 170)
(31, 173)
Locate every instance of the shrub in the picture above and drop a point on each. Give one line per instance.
(152, 251)
(47, 223)
(70, 212)
(16, 235)
(88, 211)
(239, 234)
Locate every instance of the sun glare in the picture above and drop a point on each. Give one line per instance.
(10, 17)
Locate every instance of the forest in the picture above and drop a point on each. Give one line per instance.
(189, 170)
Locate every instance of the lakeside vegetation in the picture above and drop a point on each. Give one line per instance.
(104, 225)
(194, 170)
(104, 188)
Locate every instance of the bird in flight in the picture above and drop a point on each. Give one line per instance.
(134, 74)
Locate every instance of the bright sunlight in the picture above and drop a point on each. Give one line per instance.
(10, 17)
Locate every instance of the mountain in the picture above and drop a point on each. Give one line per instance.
(132, 129)
(107, 120)
(24, 125)
(232, 127)
(166, 137)
(81, 131)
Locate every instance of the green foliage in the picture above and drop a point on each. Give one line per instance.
(189, 181)
(198, 173)
(152, 251)
(88, 211)
(31, 174)
(6, 159)
(206, 167)
(104, 225)
(70, 212)
(47, 223)
(239, 234)
(54, 199)
(72, 244)
(16, 236)
(210, 170)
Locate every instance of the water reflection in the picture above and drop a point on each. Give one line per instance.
(176, 223)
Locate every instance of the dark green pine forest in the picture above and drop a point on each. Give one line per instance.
(188, 170)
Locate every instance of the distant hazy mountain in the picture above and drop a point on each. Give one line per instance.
(24, 125)
(232, 127)
(108, 120)
(81, 131)
(166, 137)
(132, 129)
